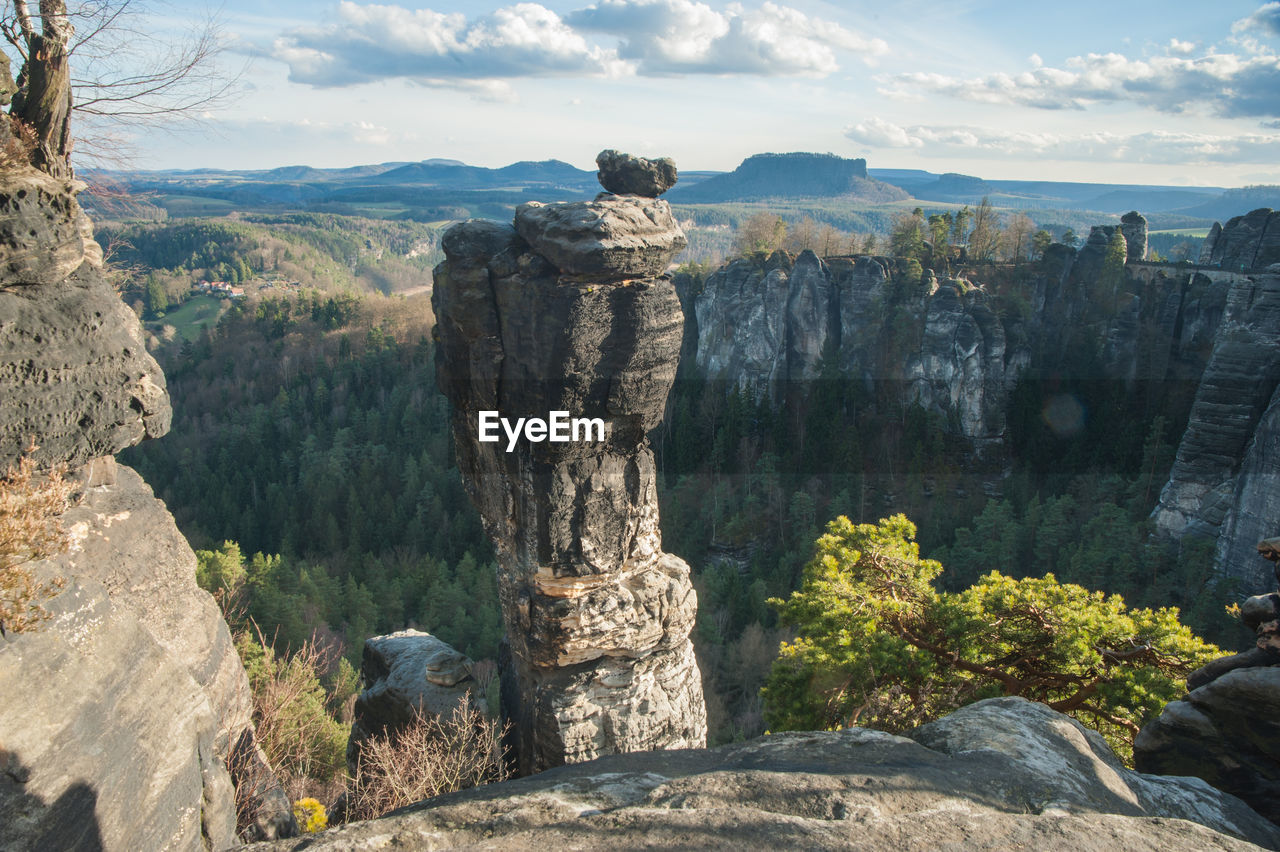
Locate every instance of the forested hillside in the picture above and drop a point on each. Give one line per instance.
(156, 265)
(308, 428)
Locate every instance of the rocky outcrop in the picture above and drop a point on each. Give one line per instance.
(764, 323)
(1134, 227)
(136, 687)
(1000, 774)
(567, 312)
(404, 674)
(1251, 241)
(125, 707)
(611, 237)
(1237, 385)
(72, 363)
(1226, 732)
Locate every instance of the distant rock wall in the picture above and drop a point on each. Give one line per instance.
(764, 323)
(570, 311)
(1235, 390)
(1203, 341)
(1251, 241)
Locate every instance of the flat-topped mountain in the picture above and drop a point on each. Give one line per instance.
(793, 175)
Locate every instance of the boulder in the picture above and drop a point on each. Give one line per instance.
(610, 238)
(403, 674)
(1226, 732)
(1000, 774)
(624, 174)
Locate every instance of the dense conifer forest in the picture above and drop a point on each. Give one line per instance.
(310, 443)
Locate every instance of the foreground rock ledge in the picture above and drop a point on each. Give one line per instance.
(1000, 774)
(573, 314)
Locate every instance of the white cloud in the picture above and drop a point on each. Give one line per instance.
(1158, 147)
(1225, 84)
(687, 37)
(1180, 48)
(371, 42)
(1265, 22)
(374, 42)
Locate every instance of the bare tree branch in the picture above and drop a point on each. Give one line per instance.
(122, 72)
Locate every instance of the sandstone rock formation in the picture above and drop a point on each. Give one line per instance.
(1255, 504)
(1134, 227)
(1226, 732)
(1237, 386)
(625, 174)
(1251, 241)
(1000, 774)
(403, 674)
(763, 324)
(73, 367)
(568, 311)
(120, 712)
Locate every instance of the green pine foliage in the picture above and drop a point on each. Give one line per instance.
(879, 645)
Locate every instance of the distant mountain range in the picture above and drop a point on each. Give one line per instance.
(798, 175)
(442, 188)
(1102, 197)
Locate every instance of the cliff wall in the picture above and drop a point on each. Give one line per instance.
(120, 710)
(1202, 341)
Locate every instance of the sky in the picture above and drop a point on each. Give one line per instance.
(1135, 92)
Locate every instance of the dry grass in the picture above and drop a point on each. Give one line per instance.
(432, 755)
(30, 508)
(16, 151)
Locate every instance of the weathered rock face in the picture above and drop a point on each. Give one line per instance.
(1237, 385)
(403, 674)
(625, 174)
(1254, 512)
(136, 687)
(961, 364)
(597, 616)
(764, 324)
(611, 237)
(74, 372)
(1251, 241)
(999, 774)
(1134, 227)
(1226, 732)
(122, 711)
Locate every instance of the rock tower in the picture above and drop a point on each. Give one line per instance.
(570, 311)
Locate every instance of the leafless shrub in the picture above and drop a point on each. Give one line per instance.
(30, 508)
(300, 740)
(430, 756)
(17, 149)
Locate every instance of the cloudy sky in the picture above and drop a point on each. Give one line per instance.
(1160, 92)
